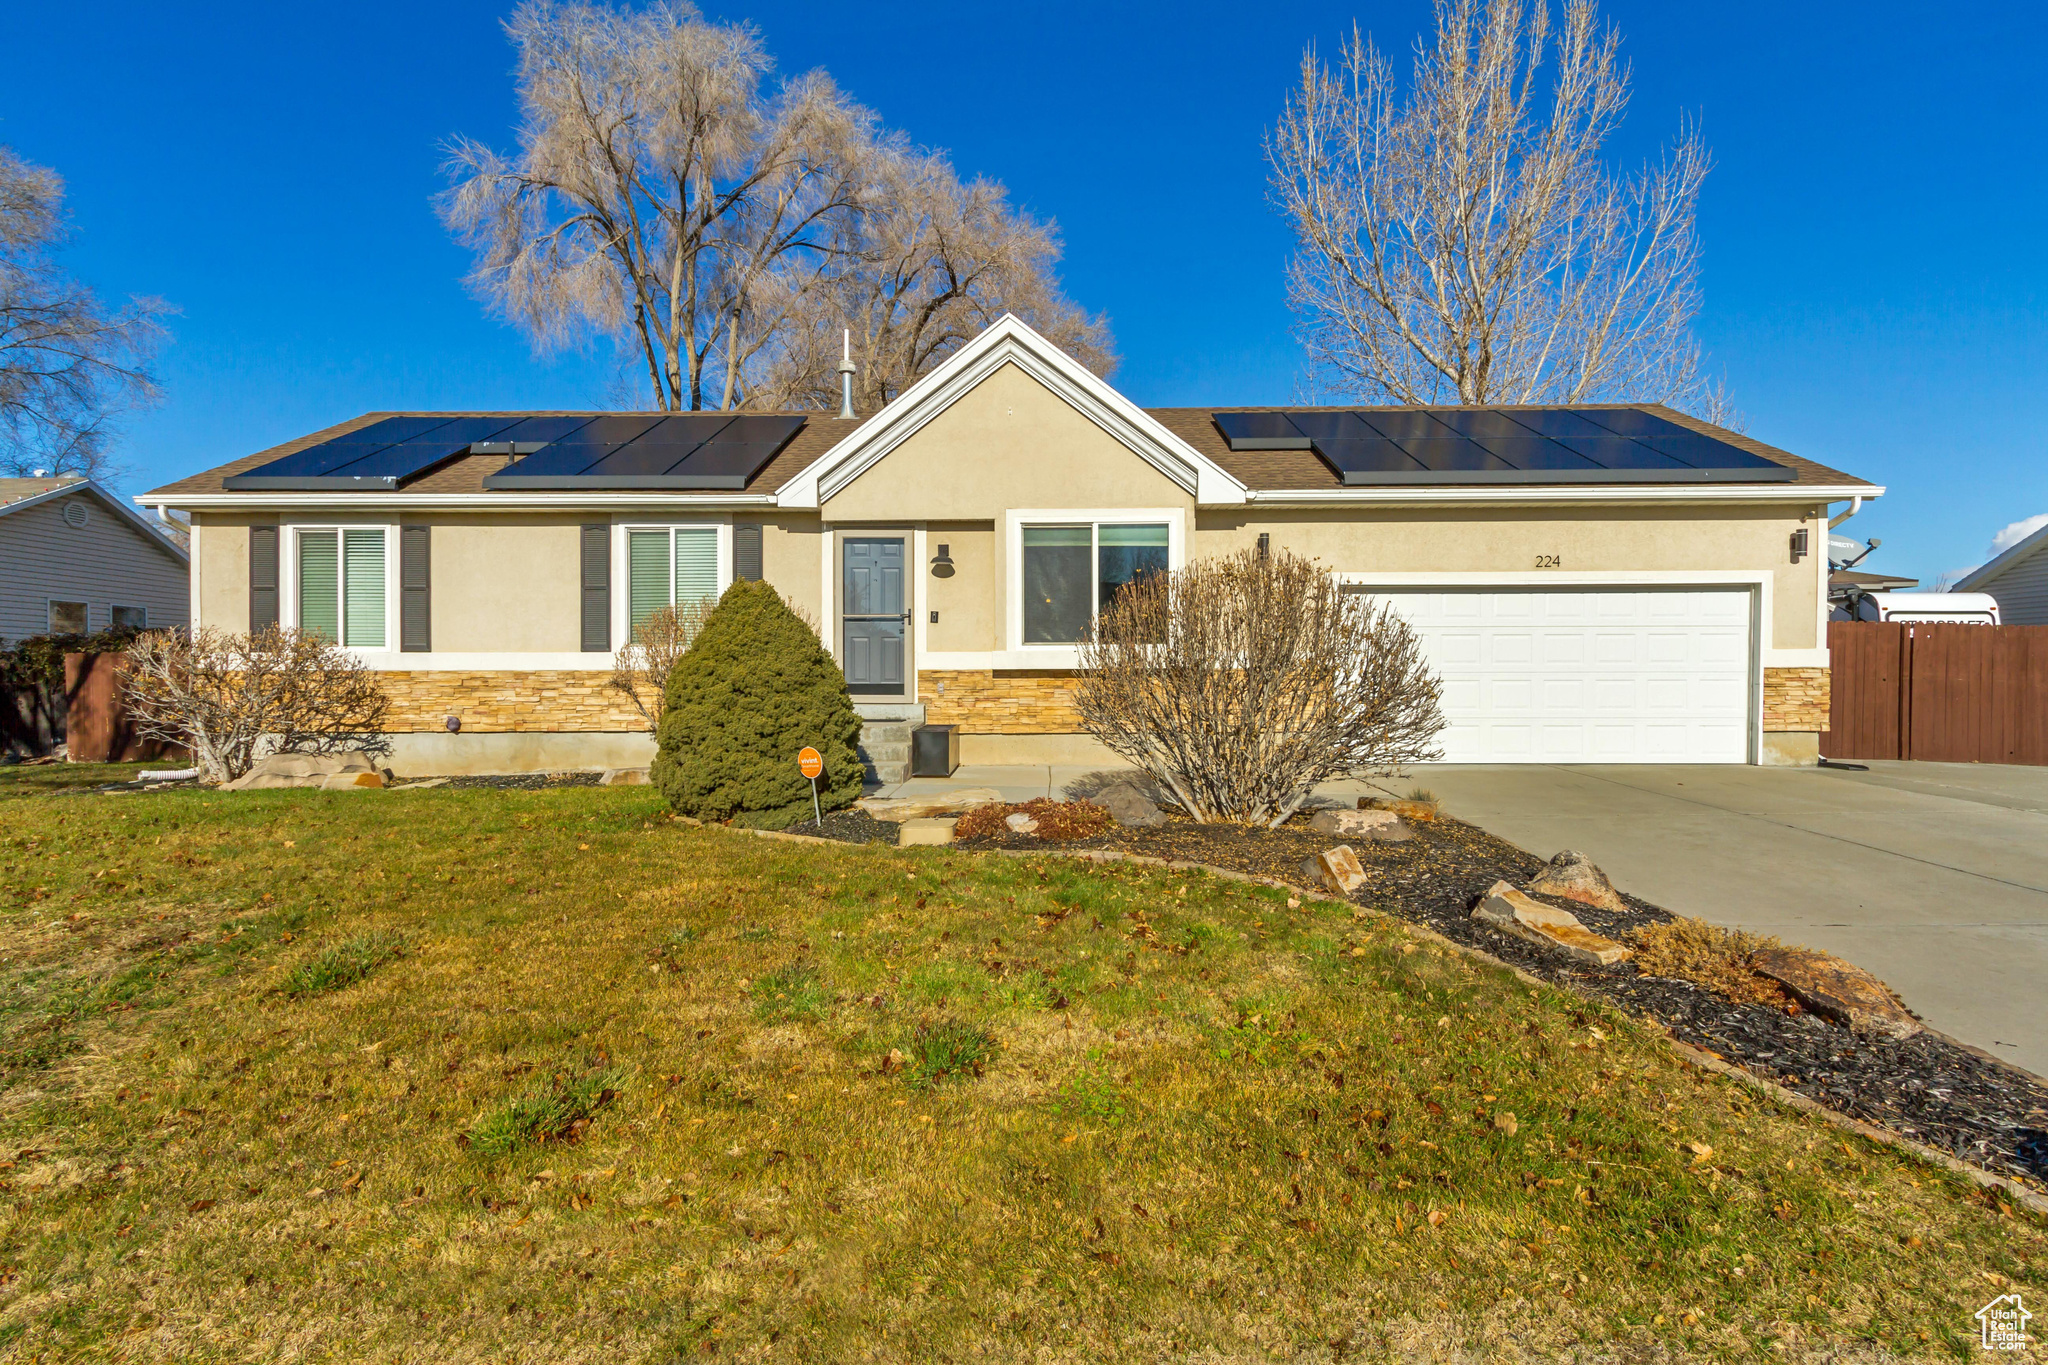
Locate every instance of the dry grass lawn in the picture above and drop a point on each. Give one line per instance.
(467, 1076)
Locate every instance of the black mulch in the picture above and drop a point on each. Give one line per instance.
(526, 782)
(850, 826)
(1927, 1088)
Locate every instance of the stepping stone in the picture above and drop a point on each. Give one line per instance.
(896, 809)
(929, 830)
(1546, 926)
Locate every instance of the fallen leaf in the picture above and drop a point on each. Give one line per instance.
(1436, 1217)
(1506, 1122)
(200, 1205)
(1700, 1151)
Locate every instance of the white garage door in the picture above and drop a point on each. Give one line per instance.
(1590, 676)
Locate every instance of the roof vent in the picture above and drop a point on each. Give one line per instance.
(846, 375)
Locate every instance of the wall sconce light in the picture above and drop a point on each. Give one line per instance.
(454, 724)
(1799, 543)
(942, 563)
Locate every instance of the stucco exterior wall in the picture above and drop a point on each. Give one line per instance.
(1011, 442)
(220, 558)
(1583, 539)
(505, 584)
(792, 550)
(970, 602)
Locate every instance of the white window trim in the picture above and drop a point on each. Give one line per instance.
(622, 594)
(288, 580)
(1014, 522)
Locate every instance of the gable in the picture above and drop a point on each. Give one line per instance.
(1008, 442)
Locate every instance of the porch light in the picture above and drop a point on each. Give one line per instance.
(942, 563)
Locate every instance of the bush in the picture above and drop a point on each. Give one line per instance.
(755, 687)
(1241, 683)
(224, 696)
(1058, 821)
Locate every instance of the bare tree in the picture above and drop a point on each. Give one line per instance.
(656, 188)
(232, 698)
(68, 363)
(641, 667)
(929, 261)
(1241, 683)
(1462, 240)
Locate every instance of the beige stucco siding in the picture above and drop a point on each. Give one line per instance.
(792, 550)
(505, 584)
(970, 602)
(220, 561)
(1584, 540)
(1008, 443)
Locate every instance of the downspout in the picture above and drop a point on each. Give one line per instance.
(1855, 506)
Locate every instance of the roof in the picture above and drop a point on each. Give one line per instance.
(20, 494)
(1997, 568)
(1260, 470)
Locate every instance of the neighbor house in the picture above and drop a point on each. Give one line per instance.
(1596, 584)
(76, 559)
(2017, 579)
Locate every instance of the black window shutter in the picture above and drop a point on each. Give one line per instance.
(746, 552)
(262, 577)
(597, 589)
(415, 561)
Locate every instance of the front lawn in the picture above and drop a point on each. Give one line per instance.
(477, 1075)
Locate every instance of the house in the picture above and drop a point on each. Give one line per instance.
(75, 559)
(2018, 579)
(1607, 583)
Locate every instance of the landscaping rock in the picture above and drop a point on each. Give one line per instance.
(1020, 823)
(1407, 810)
(1572, 875)
(1352, 824)
(1399, 831)
(299, 770)
(898, 808)
(623, 777)
(1338, 869)
(351, 782)
(425, 783)
(931, 830)
(1506, 908)
(1129, 806)
(1837, 990)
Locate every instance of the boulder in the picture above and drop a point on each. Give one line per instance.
(1572, 875)
(896, 809)
(623, 777)
(1351, 824)
(1398, 832)
(1407, 810)
(351, 782)
(1336, 869)
(1546, 926)
(1129, 806)
(1020, 823)
(930, 830)
(1837, 990)
(299, 770)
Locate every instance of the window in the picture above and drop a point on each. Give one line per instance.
(1070, 572)
(665, 567)
(131, 618)
(67, 618)
(341, 585)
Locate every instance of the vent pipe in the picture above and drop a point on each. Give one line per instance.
(846, 374)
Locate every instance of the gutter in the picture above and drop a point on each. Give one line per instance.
(465, 502)
(1561, 494)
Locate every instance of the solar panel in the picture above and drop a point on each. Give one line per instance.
(1507, 446)
(381, 456)
(698, 450)
(1260, 431)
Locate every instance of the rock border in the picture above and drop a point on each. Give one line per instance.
(2028, 1199)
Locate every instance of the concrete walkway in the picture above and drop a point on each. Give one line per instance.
(1932, 875)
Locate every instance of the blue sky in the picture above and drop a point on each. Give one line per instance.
(1873, 230)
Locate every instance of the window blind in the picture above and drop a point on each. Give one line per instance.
(647, 576)
(362, 578)
(696, 564)
(320, 584)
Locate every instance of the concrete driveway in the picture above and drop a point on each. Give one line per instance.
(1932, 875)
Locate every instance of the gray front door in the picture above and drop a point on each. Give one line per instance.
(873, 617)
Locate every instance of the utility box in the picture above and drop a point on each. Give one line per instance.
(934, 750)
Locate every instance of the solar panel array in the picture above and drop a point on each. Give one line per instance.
(1501, 445)
(699, 450)
(702, 450)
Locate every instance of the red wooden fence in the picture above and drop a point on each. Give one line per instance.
(1942, 693)
(97, 726)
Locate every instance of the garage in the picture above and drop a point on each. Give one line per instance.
(1594, 675)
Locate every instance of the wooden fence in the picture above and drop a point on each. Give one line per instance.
(1941, 693)
(97, 725)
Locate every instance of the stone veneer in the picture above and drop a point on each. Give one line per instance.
(1795, 699)
(1004, 702)
(510, 700)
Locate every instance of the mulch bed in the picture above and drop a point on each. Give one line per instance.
(850, 826)
(1926, 1088)
(524, 782)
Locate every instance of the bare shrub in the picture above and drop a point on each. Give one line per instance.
(1240, 683)
(1708, 955)
(231, 698)
(641, 667)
